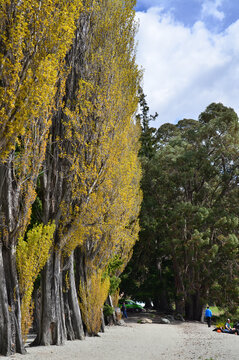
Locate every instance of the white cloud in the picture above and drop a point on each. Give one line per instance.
(210, 8)
(186, 68)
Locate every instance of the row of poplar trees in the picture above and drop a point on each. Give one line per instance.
(69, 169)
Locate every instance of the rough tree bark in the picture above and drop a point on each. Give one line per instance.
(74, 325)
(55, 189)
(52, 329)
(194, 307)
(11, 215)
(10, 313)
(179, 287)
(80, 275)
(110, 319)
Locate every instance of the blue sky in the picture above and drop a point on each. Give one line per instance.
(190, 11)
(189, 50)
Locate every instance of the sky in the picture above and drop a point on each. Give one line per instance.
(189, 52)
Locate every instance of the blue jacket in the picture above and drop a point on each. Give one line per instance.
(208, 313)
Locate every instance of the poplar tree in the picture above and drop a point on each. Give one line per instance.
(89, 138)
(33, 46)
(68, 92)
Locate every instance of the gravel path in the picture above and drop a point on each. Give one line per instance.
(186, 341)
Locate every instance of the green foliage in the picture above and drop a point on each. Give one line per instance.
(189, 217)
(113, 270)
(108, 310)
(147, 138)
(114, 284)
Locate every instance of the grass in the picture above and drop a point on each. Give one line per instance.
(220, 316)
(217, 311)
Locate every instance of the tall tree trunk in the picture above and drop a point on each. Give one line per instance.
(203, 313)
(74, 325)
(36, 311)
(180, 306)
(102, 327)
(164, 303)
(156, 302)
(10, 312)
(179, 287)
(80, 274)
(198, 307)
(110, 319)
(193, 307)
(189, 308)
(148, 303)
(52, 329)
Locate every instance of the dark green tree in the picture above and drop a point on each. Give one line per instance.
(190, 215)
(148, 276)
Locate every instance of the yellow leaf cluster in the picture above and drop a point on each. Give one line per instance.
(35, 37)
(93, 294)
(32, 254)
(105, 172)
(115, 298)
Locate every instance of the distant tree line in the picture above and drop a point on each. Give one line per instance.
(188, 251)
(69, 170)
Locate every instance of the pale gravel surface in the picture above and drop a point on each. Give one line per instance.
(180, 341)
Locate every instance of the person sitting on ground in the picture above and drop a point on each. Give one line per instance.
(228, 325)
(229, 329)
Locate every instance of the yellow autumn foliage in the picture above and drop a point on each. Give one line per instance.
(32, 255)
(99, 128)
(93, 294)
(110, 218)
(35, 37)
(95, 152)
(115, 298)
(105, 172)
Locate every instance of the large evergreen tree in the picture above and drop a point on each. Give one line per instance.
(191, 213)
